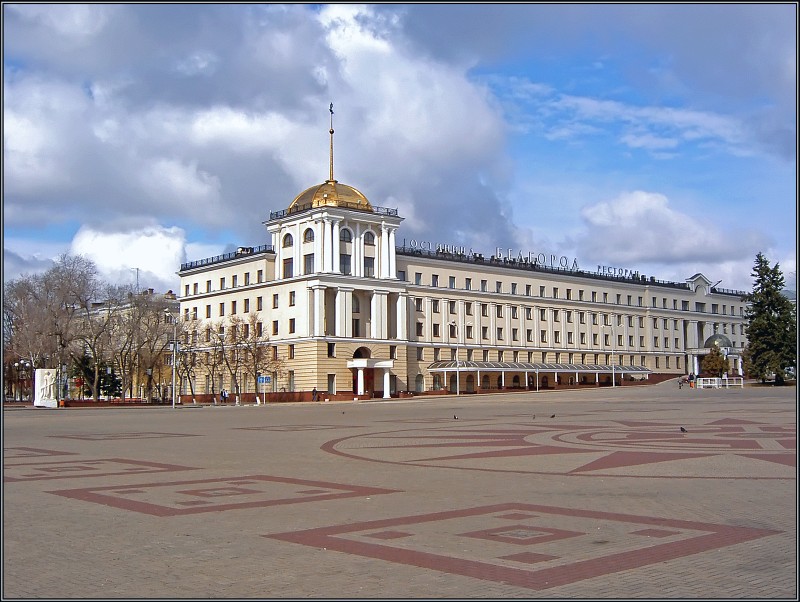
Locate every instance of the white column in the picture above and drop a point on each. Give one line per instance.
(319, 310)
(358, 252)
(360, 385)
(344, 312)
(297, 251)
(335, 244)
(402, 315)
(319, 249)
(386, 384)
(392, 254)
(384, 252)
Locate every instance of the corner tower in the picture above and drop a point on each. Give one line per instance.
(333, 228)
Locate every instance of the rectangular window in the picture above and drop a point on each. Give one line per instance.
(234, 281)
(259, 303)
(418, 303)
(435, 306)
(570, 340)
(345, 266)
(498, 287)
(514, 334)
(484, 285)
(417, 278)
(555, 292)
(583, 338)
(369, 267)
(290, 352)
(260, 276)
(208, 286)
(392, 352)
(291, 325)
(331, 349)
(485, 355)
(594, 296)
(186, 291)
(208, 311)
(291, 298)
(222, 284)
(275, 301)
(275, 327)
(543, 336)
(469, 332)
(468, 308)
(556, 316)
(331, 384)
(569, 294)
(513, 288)
(434, 279)
(500, 356)
(498, 311)
(436, 330)
(308, 263)
(543, 314)
(582, 317)
(485, 310)
(485, 332)
(641, 341)
(557, 337)
(288, 268)
(233, 307)
(247, 306)
(401, 275)
(499, 334)
(356, 327)
(451, 282)
(527, 290)
(221, 309)
(529, 335)
(468, 284)
(580, 294)
(514, 310)
(420, 353)
(419, 329)
(247, 278)
(451, 307)
(259, 329)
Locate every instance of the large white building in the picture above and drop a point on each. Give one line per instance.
(353, 309)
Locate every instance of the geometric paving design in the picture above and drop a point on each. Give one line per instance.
(12, 453)
(216, 495)
(725, 448)
(553, 546)
(113, 436)
(70, 469)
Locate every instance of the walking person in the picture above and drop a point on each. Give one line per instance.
(314, 394)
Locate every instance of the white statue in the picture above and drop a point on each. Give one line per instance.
(46, 394)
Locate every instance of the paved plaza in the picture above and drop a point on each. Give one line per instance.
(571, 494)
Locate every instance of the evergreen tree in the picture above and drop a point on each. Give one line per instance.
(715, 363)
(771, 324)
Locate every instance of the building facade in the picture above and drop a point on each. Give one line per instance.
(353, 311)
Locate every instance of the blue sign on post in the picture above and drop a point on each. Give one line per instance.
(264, 380)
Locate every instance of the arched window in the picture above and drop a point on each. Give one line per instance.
(308, 235)
(288, 241)
(437, 382)
(420, 383)
(345, 235)
(369, 238)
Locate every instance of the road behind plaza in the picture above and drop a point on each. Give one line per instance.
(572, 494)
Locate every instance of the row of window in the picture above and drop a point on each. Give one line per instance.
(345, 235)
(484, 287)
(345, 265)
(556, 315)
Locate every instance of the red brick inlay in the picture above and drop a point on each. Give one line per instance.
(12, 453)
(522, 535)
(215, 495)
(114, 436)
(40, 471)
(562, 560)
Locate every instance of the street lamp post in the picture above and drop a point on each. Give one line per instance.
(174, 352)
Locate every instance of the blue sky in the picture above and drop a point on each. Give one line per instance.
(657, 138)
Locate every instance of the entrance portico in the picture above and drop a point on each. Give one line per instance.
(364, 364)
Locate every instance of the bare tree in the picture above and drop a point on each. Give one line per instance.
(258, 360)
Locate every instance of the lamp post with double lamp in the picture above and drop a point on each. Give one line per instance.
(174, 351)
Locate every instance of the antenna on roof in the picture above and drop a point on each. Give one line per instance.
(331, 132)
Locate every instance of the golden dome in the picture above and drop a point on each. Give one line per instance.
(332, 194)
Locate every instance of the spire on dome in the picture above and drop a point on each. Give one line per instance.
(331, 132)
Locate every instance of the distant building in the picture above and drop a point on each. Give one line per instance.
(354, 311)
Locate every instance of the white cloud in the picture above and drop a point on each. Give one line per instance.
(157, 252)
(640, 227)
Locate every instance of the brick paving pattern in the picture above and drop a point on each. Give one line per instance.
(591, 494)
